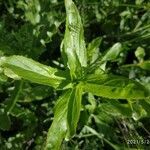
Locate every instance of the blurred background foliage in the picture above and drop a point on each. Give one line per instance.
(35, 28)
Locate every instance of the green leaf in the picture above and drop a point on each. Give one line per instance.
(33, 71)
(116, 87)
(116, 109)
(140, 53)
(73, 44)
(58, 129)
(74, 108)
(113, 53)
(93, 50)
(32, 9)
(145, 65)
(66, 116)
(5, 123)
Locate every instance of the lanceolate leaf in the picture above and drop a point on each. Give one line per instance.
(34, 71)
(58, 129)
(66, 116)
(73, 44)
(111, 86)
(74, 108)
(113, 52)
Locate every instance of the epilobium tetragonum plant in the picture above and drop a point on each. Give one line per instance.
(84, 72)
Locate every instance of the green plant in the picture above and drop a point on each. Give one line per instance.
(84, 71)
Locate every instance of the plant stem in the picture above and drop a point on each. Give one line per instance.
(15, 96)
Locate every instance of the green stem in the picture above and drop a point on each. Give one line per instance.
(135, 31)
(15, 96)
